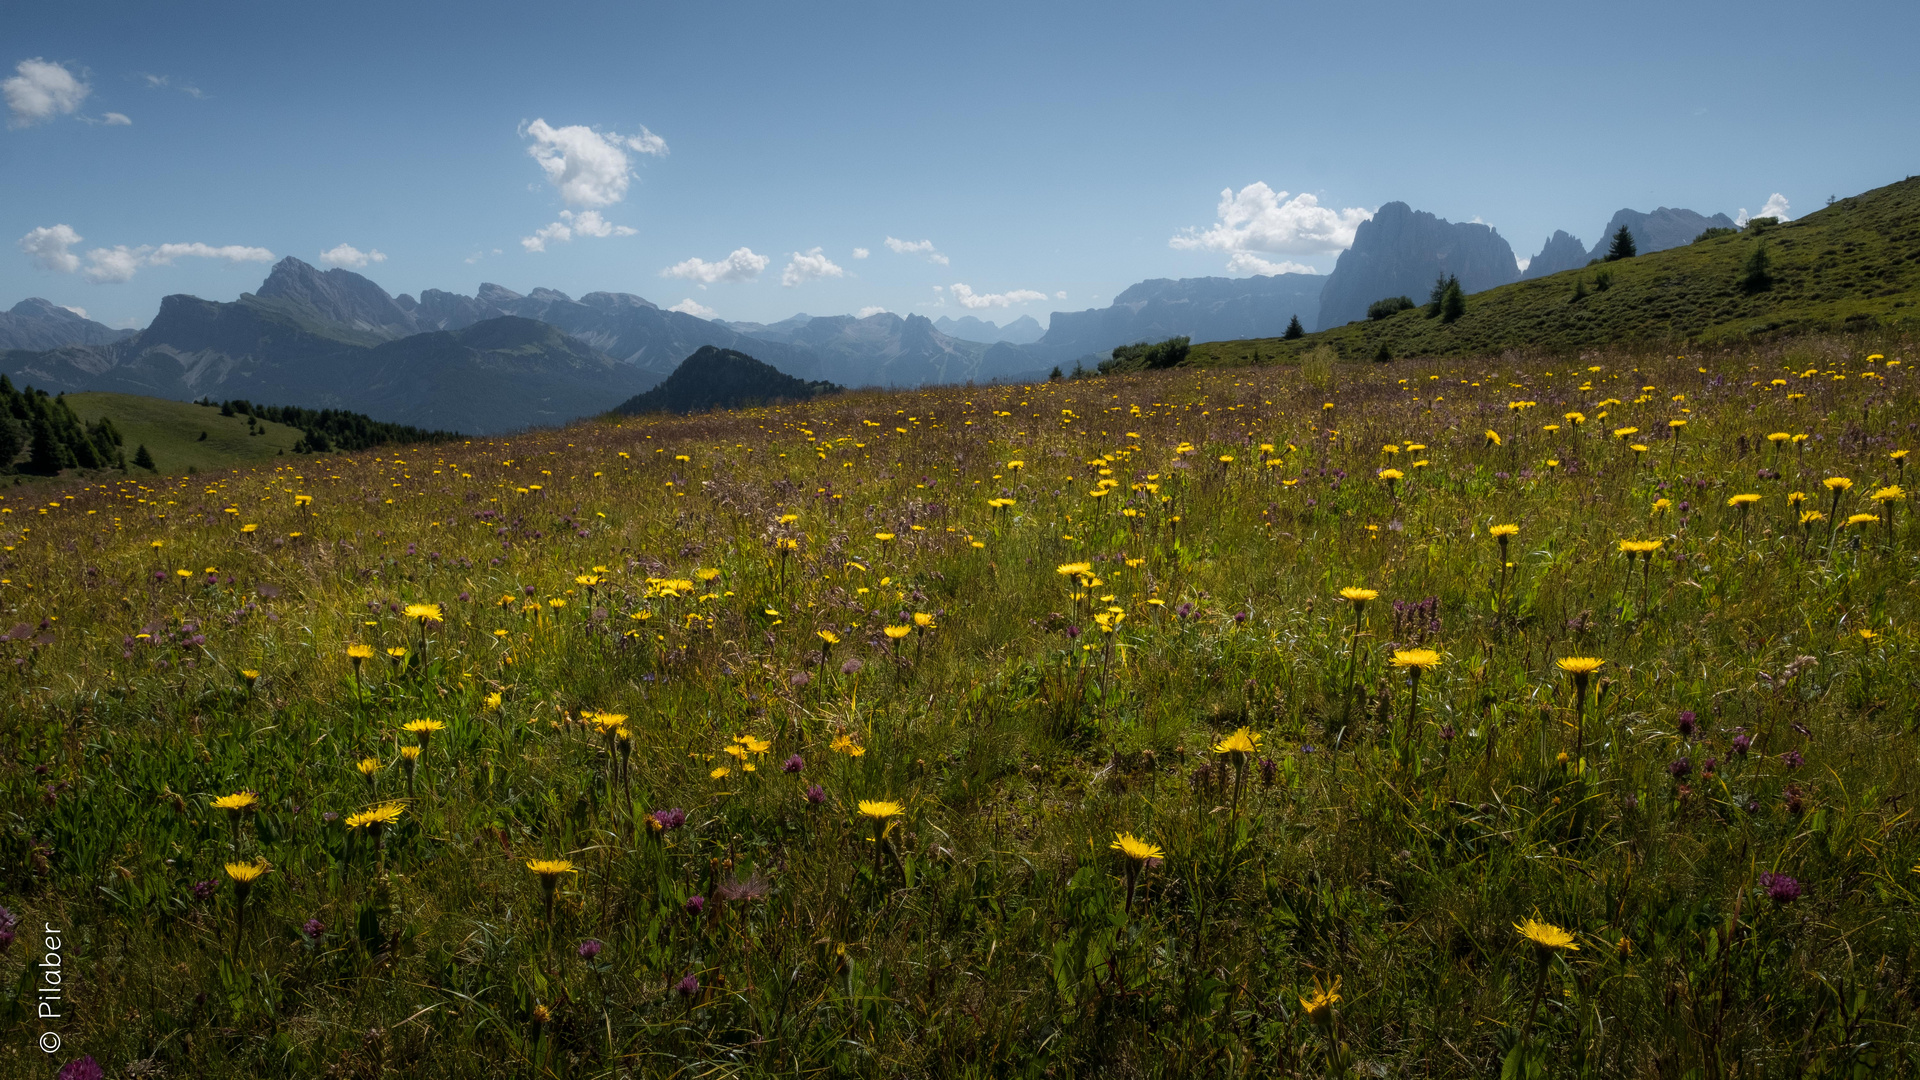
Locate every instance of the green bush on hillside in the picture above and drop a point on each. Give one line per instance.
(1141, 356)
(1389, 307)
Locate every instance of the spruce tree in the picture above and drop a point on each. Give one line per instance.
(1756, 275)
(1453, 303)
(1294, 329)
(1436, 296)
(1622, 246)
(44, 458)
(144, 460)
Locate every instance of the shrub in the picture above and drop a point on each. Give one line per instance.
(1141, 356)
(1756, 275)
(1391, 306)
(1716, 231)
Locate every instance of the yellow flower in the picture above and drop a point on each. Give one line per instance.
(707, 574)
(248, 873)
(1778, 437)
(1501, 532)
(1546, 936)
(1837, 483)
(1244, 741)
(398, 652)
(719, 773)
(1074, 569)
(923, 620)
(1357, 595)
(1743, 500)
(245, 800)
(1809, 517)
(384, 814)
(879, 810)
(423, 729)
(1622, 433)
(359, 652)
(845, 745)
(1888, 494)
(1135, 848)
(424, 612)
(883, 537)
(1863, 519)
(1319, 1007)
(550, 869)
(1418, 659)
(1392, 474)
(409, 754)
(1493, 437)
(368, 766)
(752, 744)
(1578, 665)
(827, 636)
(492, 701)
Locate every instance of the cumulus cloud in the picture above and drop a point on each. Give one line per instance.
(741, 265)
(570, 225)
(1246, 262)
(1776, 207)
(695, 308)
(588, 168)
(871, 310)
(114, 119)
(120, 262)
(80, 311)
(47, 247)
(809, 266)
(914, 247)
(978, 301)
(1260, 219)
(41, 90)
(349, 256)
(861, 253)
(1061, 295)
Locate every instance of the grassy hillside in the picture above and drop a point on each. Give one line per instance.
(999, 731)
(171, 432)
(1850, 266)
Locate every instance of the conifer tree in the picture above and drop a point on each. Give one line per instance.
(143, 459)
(1295, 330)
(1622, 246)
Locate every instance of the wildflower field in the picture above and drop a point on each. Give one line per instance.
(1532, 716)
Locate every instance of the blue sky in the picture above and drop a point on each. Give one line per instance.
(1042, 149)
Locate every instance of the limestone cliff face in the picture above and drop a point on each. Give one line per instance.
(1666, 227)
(1400, 251)
(34, 323)
(1562, 252)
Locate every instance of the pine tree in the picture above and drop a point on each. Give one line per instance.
(1453, 303)
(144, 460)
(1622, 246)
(1295, 330)
(1755, 276)
(1436, 296)
(44, 458)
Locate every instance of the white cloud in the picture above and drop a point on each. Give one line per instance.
(589, 169)
(914, 247)
(114, 119)
(741, 265)
(1259, 218)
(969, 299)
(350, 256)
(570, 225)
(695, 308)
(1246, 262)
(47, 247)
(861, 253)
(1061, 295)
(871, 310)
(80, 311)
(120, 262)
(1523, 261)
(1776, 207)
(809, 266)
(40, 91)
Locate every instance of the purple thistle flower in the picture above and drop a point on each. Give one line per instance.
(590, 948)
(1268, 769)
(203, 890)
(1781, 889)
(1680, 768)
(687, 987)
(1742, 744)
(1792, 759)
(1239, 616)
(313, 928)
(669, 819)
(8, 921)
(793, 764)
(1072, 632)
(696, 904)
(816, 795)
(852, 666)
(1685, 725)
(82, 1068)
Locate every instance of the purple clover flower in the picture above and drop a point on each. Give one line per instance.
(669, 820)
(696, 904)
(793, 764)
(1792, 759)
(1742, 743)
(313, 928)
(1685, 724)
(1781, 889)
(82, 1068)
(1680, 768)
(688, 986)
(590, 948)
(816, 795)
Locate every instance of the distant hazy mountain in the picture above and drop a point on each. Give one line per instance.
(497, 375)
(1561, 252)
(1400, 251)
(1664, 228)
(41, 324)
(723, 379)
(1204, 309)
(1021, 331)
(884, 350)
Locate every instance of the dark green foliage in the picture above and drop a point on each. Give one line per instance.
(1141, 356)
(1054, 375)
(1294, 330)
(143, 459)
(1392, 305)
(330, 430)
(1756, 273)
(1622, 246)
(714, 378)
(1715, 232)
(1382, 354)
(1453, 303)
(1579, 289)
(53, 436)
(1603, 280)
(1437, 296)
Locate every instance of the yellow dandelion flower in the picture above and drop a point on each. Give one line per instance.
(1135, 848)
(424, 612)
(1546, 936)
(247, 873)
(1578, 665)
(1244, 741)
(879, 809)
(1418, 659)
(237, 802)
(1358, 595)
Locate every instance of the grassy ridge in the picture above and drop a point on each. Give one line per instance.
(1854, 265)
(821, 848)
(171, 432)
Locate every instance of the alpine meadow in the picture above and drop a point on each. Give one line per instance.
(1536, 715)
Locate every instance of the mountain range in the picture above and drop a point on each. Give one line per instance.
(499, 360)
